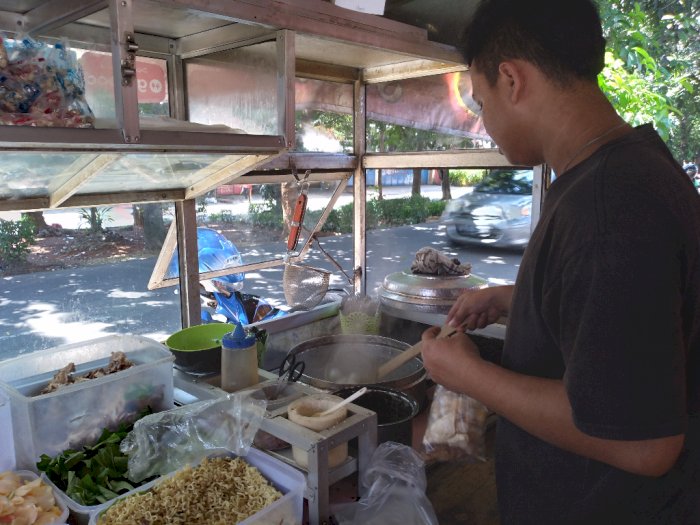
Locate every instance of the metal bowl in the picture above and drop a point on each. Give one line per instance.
(342, 361)
(395, 411)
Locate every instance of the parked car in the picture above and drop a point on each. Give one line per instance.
(495, 213)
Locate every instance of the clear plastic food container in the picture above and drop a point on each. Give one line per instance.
(288, 510)
(27, 476)
(75, 414)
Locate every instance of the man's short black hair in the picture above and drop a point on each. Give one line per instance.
(563, 38)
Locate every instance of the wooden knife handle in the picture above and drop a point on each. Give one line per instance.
(297, 221)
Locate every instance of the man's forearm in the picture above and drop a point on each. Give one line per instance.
(541, 407)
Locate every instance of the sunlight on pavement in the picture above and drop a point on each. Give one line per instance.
(494, 260)
(50, 323)
(121, 294)
(158, 336)
(494, 281)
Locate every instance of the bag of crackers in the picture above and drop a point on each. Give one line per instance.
(456, 428)
(41, 84)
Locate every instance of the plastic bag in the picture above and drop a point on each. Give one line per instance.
(456, 428)
(166, 441)
(41, 85)
(394, 485)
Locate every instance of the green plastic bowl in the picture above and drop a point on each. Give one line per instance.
(197, 349)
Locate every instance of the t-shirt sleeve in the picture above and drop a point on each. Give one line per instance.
(621, 336)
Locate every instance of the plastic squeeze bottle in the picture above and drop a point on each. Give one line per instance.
(239, 360)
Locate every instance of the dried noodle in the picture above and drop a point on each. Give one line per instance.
(218, 491)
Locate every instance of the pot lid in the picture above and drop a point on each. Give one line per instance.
(421, 288)
(424, 298)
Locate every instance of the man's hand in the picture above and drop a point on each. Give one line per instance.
(448, 360)
(480, 308)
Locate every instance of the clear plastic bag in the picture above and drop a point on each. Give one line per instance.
(41, 85)
(166, 441)
(456, 428)
(394, 485)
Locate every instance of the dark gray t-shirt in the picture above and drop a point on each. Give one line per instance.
(608, 299)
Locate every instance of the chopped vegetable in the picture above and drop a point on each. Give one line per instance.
(95, 474)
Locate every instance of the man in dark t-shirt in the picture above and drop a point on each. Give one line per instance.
(599, 385)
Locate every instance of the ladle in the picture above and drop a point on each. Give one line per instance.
(410, 353)
(342, 403)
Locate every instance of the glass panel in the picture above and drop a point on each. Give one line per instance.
(252, 219)
(152, 83)
(33, 174)
(424, 114)
(26, 175)
(85, 276)
(482, 219)
(147, 171)
(237, 88)
(323, 116)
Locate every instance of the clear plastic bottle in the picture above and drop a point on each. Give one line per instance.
(239, 360)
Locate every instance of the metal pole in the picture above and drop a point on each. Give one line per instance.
(186, 220)
(359, 188)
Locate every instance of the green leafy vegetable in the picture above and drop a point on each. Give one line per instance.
(95, 474)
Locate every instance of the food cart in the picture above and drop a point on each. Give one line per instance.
(239, 129)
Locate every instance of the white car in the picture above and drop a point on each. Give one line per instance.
(496, 213)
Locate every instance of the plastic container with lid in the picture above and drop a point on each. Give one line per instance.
(7, 450)
(62, 512)
(239, 360)
(288, 510)
(76, 414)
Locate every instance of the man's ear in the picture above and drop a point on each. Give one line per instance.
(514, 78)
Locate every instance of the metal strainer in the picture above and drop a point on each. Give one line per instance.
(304, 286)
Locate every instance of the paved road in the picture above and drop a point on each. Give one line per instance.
(122, 214)
(42, 310)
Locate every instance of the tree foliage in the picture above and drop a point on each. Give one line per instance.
(651, 67)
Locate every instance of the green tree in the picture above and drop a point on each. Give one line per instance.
(652, 63)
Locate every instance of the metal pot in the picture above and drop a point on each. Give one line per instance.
(424, 298)
(334, 362)
(395, 411)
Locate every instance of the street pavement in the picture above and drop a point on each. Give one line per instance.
(42, 310)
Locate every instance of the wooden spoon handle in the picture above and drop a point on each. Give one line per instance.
(409, 354)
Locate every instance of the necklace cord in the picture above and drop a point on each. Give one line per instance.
(590, 142)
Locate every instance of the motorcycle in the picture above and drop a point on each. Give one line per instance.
(221, 297)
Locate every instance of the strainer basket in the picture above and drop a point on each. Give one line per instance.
(304, 286)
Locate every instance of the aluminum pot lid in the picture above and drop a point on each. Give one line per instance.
(419, 288)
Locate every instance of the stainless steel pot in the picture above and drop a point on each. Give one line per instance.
(395, 411)
(424, 298)
(334, 362)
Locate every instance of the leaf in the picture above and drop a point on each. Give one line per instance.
(121, 486)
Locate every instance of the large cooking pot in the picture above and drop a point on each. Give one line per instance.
(424, 298)
(334, 362)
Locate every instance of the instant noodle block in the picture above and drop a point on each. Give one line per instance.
(288, 510)
(75, 414)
